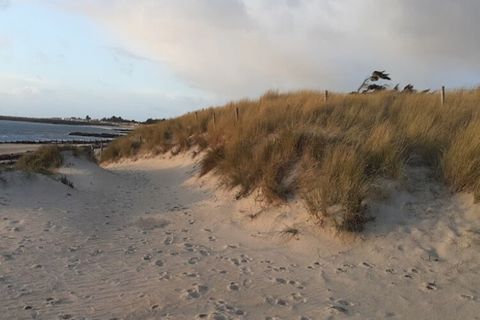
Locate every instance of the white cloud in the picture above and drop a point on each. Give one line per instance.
(4, 4)
(22, 86)
(243, 47)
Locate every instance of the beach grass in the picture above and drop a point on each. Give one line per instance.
(327, 152)
(43, 160)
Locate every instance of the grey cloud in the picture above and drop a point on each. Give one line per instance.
(126, 59)
(243, 47)
(440, 28)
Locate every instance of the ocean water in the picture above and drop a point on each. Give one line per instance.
(12, 131)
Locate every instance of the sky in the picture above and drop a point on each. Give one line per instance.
(161, 58)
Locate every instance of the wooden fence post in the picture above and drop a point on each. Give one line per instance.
(325, 96)
(214, 120)
(442, 95)
(196, 116)
(237, 114)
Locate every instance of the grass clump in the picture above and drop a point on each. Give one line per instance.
(461, 161)
(338, 180)
(328, 152)
(43, 160)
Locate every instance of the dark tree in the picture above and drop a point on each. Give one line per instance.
(369, 85)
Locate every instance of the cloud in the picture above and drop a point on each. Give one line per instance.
(22, 86)
(126, 59)
(4, 4)
(118, 51)
(243, 47)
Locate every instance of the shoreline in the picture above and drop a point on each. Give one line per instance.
(11, 152)
(65, 122)
(59, 141)
(17, 148)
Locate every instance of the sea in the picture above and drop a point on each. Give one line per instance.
(19, 131)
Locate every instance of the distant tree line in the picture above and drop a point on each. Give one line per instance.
(115, 119)
(153, 121)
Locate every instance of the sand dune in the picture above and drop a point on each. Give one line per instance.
(148, 240)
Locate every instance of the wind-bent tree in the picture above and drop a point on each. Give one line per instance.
(369, 85)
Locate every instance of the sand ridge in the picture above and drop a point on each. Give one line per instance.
(147, 239)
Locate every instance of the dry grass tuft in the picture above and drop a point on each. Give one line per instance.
(330, 152)
(42, 161)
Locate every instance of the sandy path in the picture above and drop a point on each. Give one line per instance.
(144, 240)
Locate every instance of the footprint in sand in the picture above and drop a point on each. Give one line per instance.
(147, 257)
(195, 292)
(130, 250)
(72, 263)
(247, 283)
(276, 301)
(340, 305)
(212, 316)
(193, 260)
(297, 297)
(224, 308)
(468, 297)
(246, 270)
(431, 286)
(190, 274)
(277, 269)
(189, 247)
(296, 284)
(96, 252)
(338, 308)
(391, 271)
(53, 302)
(233, 286)
(235, 261)
(204, 252)
(165, 276)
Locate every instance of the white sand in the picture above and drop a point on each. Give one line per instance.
(145, 240)
(12, 148)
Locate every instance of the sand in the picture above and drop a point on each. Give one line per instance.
(16, 148)
(149, 240)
